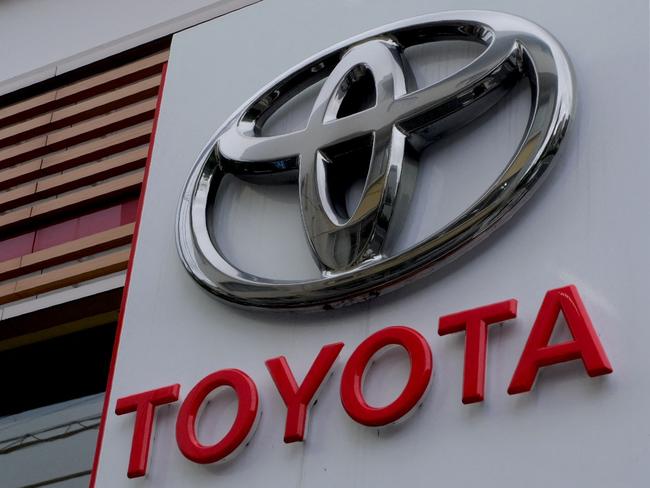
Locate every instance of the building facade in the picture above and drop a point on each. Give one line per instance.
(215, 216)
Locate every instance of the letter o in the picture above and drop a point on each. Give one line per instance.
(242, 428)
(352, 379)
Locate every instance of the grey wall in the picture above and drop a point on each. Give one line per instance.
(41, 38)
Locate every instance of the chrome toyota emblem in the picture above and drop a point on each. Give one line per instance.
(370, 114)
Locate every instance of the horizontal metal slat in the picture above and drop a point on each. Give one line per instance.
(23, 131)
(16, 175)
(99, 148)
(73, 114)
(102, 125)
(30, 217)
(18, 196)
(100, 170)
(65, 276)
(76, 155)
(27, 108)
(82, 89)
(67, 251)
(124, 74)
(23, 151)
(76, 178)
(90, 195)
(76, 134)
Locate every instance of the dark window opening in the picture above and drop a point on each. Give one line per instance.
(55, 370)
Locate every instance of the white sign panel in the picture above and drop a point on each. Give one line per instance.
(541, 383)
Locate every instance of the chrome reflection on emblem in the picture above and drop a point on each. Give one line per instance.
(369, 109)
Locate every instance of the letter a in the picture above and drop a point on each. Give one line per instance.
(538, 353)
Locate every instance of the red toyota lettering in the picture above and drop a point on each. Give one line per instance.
(352, 379)
(475, 324)
(242, 428)
(144, 405)
(298, 398)
(538, 353)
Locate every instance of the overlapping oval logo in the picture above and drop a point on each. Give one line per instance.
(370, 114)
